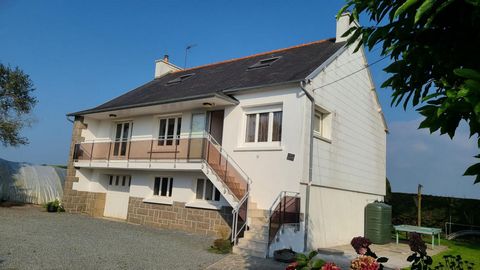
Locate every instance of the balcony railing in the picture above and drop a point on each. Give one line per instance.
(181, 149)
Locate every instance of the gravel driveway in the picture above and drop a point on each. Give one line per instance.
(33, 239)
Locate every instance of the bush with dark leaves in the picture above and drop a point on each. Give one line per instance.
(419, 259)
(362, 247)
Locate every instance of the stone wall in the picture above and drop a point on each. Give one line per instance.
(74, 201)
(178, 217)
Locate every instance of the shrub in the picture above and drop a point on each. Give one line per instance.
(54, 206)
(419, 259)
(454, 262)
(305, 262)
(222, 245)
(362, 247)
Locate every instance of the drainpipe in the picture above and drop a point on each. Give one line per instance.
(310, 161)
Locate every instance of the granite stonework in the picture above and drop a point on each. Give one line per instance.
(178, 217)
(74, 201)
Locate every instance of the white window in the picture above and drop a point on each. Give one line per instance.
(263, 126)
(322, 123)
(169, 131)
(163, 186)
(206, 191)
(119, 180)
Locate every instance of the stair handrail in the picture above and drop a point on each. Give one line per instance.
(235, 212)
(218, 146)
(280, 195)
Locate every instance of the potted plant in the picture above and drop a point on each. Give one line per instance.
(54, 206)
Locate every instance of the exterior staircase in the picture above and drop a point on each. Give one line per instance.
(255, 239)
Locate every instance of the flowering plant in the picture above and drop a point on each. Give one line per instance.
(363, 262)
(362, 247)
(330, 266)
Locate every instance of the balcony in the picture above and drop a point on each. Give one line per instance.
(182, 153)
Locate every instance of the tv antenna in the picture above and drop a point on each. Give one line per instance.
(186, 53)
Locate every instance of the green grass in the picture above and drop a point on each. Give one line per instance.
(468, 250)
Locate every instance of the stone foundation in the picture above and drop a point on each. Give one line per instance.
(178, 217)
(74, 201)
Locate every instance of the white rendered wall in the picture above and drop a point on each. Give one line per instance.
(355, 159)
(142, 183)
(336, 216)
(144, 127)
(349, 170)
(268, 168)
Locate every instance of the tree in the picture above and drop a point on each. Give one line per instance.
(16, 102)
(435, 67)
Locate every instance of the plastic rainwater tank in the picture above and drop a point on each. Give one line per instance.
(378, 222)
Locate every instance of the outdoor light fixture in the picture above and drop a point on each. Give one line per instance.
(112, 115)
(208, 104)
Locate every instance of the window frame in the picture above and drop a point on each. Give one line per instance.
(257, 110)
(169, 188)
(214, 194)
(119, 180)
(325, 123)
(177, 130)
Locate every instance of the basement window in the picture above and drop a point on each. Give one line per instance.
(163, 186)
(180, 79)
(206, 191)
(264, 63)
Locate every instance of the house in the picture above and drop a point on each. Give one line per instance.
(282, 149)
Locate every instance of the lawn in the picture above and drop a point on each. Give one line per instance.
(468, 250)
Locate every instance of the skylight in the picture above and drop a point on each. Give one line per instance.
(180, 79)
(264, 63)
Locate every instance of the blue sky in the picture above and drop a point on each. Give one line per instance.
(82, 53)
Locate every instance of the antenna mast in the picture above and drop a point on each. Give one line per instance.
(186, 53)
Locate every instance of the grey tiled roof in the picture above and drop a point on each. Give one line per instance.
(294, 64)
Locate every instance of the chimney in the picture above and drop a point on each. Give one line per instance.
(343, 24)
(163, 67)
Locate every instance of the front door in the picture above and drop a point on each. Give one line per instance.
(118, 194)
(216, 125)
(122, 134)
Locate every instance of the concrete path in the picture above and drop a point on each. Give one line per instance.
(396, 254)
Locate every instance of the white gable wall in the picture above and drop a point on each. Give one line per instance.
(355, 158)
(348, 172)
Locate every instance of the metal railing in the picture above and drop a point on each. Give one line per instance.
(285, 209)
(199, 149)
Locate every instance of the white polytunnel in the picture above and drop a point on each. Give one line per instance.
(28, 183)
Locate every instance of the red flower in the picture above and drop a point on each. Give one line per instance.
(292, 266)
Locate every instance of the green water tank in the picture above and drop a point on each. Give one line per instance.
(378, 222)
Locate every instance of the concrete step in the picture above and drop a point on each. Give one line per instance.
(253, 212)
(260, 227)
(253, 245)
(249, 252)
(258, 221)
(256, 236)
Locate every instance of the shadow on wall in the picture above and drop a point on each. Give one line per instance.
(28, 183)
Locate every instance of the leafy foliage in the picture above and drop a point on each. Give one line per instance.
(306, 262)
(433, 45)
(362, 247)
(435, 210)
(419, 259)
(15, 102)
(454, 262)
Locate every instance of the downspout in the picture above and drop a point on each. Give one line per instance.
(310, 161)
